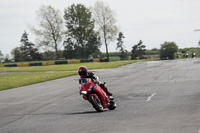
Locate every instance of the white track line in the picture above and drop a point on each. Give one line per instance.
(150, 97)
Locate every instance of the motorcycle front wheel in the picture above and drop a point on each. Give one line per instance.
(96, 104)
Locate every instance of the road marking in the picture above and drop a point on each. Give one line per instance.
(150, 97)
(199, 131)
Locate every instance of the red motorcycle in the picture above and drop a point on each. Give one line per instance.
(92, 92)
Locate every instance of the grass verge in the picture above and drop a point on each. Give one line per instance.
(14, 80)
(8, 81)
(68, 67)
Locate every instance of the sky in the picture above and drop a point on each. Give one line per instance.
(152, 21)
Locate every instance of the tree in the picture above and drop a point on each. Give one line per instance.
(51, 55)
(105, 20)
(155, 49)
(17, 55)
(51, 28)
(138, 50)
(27, 50)
(26, 47)
(69, 52)
(168, 50)
(1, 53)
(120, 46)
(81, 40)
(6, 59)
(1, 56)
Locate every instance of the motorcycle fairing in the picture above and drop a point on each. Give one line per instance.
(85, 85)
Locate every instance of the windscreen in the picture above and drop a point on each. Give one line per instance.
(84, 81)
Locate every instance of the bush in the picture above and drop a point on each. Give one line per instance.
(168, 50)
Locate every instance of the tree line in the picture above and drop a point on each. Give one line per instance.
(81, 32)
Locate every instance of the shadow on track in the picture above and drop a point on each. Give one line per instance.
(85, 112)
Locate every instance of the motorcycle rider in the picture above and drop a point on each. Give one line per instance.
(83, 73)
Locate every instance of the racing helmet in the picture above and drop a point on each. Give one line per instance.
(82, 71)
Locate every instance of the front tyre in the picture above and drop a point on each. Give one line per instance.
(96, 104)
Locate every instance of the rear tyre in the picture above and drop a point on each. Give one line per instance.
(112, 105)
(96, 104)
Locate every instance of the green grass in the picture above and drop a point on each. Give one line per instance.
(67, 67)
(14, 80)
(8, 81)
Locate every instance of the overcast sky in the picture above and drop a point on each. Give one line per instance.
(152, 21)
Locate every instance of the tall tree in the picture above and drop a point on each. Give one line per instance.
(50, 28)
(168, 50)
(81, 40)
(17, 54)
(1, 56)
(26, 47)
(27, 50)
(1, 53)
(121, 48)
(138, 50)
(106, 23)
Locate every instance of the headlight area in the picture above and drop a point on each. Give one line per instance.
(83, 92)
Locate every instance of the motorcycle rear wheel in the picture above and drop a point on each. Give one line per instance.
(96, 104)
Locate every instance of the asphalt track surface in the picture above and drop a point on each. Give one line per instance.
(152, 97)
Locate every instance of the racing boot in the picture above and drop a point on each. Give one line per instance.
(104, 87)
(108, 93)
